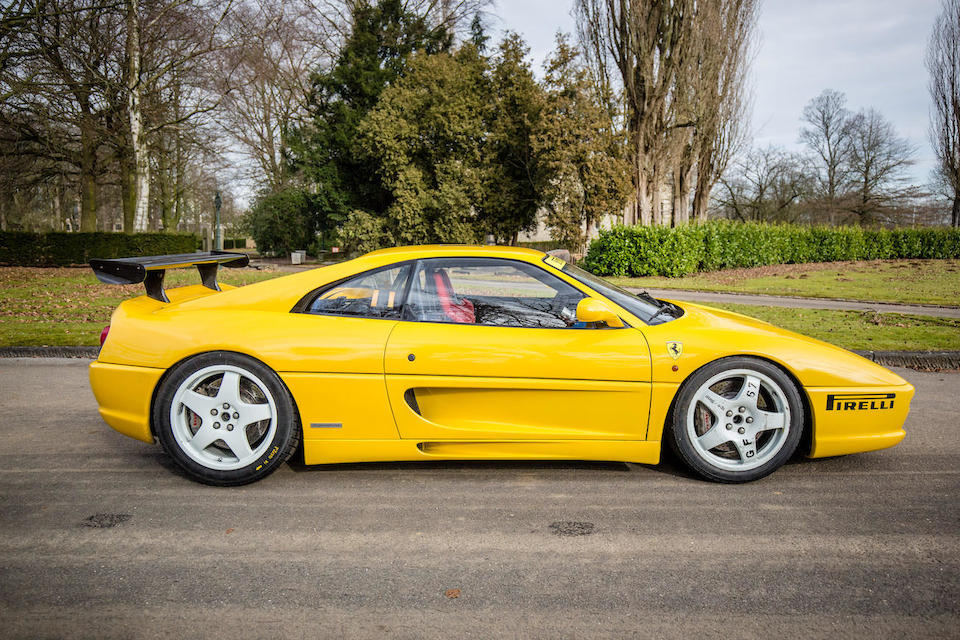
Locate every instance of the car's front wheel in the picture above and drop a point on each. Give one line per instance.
(225, 419)
(736, 419)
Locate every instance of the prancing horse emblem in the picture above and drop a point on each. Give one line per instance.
(674, 348)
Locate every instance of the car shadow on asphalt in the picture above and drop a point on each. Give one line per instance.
(669, 465)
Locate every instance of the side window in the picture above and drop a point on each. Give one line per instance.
(376, 294)
(502, 293)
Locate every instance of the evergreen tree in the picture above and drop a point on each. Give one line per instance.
(326, 150)
(581, 153)
(478, 35)
(515, 180)
(428, 132)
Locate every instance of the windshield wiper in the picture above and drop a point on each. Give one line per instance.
(665, 306)
(649, 298)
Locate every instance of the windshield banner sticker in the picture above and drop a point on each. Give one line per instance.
(555, 262)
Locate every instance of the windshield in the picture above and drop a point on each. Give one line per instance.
(643, 305)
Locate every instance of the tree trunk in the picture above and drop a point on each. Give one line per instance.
(128, 190)
(88, 176)
(655, 196)
(178, 182)
(681, 193)
(703, 187)
(163, 186)
(955, 214)
(55, 208)
(644, 209)
(701, 200)
(138, 142)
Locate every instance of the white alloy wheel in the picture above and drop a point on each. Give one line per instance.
(223, 417)
(739, 420)
(736, 419)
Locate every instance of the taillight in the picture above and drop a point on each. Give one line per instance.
(103, 334)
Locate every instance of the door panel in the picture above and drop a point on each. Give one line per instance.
(467, 408)
(481, 382)
(475, 350)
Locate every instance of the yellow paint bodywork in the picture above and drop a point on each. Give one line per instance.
(482, 392)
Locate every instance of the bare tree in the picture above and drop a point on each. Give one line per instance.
(725, 35)
(334, 16)
(877, 167)
(167, 41)
(58, 59)
(641, 47)
(768, 185)
(828, 135)
(266, 81)
(679, 66)
(943, 63)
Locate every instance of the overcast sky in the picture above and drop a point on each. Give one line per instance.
(872, 50)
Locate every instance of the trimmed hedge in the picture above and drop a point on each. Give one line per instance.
(58, 249)
(542, 245)
(674, 252)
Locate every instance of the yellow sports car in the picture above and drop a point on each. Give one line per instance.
(469, 353)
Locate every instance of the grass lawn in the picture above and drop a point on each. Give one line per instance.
(862, 330)
(902, 281)
(69, 307)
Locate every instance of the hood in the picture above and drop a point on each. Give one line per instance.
(708, 334)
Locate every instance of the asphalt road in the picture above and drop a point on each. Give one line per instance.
(859, 546)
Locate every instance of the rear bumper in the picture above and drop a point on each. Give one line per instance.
(853, 420)
(124, 394)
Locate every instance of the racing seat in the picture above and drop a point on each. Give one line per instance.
(457, 309)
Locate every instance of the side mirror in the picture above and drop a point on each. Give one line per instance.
(595, 310)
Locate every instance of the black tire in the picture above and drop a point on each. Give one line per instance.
(777, 392)
(259, 390)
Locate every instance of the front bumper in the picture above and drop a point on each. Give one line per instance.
(853, 420)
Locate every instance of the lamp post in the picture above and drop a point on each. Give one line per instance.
(217, 242)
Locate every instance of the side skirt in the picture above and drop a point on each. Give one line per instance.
(337, 451)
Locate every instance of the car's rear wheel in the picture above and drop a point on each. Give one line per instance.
(737, 419)
(225, 419)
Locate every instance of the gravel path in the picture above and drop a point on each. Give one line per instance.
(802, 303)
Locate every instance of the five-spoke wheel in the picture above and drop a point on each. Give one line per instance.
(225, 418)
(737, 419)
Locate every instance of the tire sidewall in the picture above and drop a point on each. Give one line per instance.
(285, 437)
(680, 439)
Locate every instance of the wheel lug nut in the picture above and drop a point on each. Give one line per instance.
(236, 416)
(213, 412)
(729, 426)
(749, 420)
(741, 409)
(226, 405)
(729, 413)
(741, 430)
(229, 427)
(216, 425)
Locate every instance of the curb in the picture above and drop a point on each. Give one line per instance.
(49, 352)
(921, 360)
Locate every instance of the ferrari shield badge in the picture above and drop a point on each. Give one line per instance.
(674, 348)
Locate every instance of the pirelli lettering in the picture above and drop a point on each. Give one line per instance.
(859, 401)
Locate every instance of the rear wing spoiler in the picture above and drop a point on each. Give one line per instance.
(151, 269)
